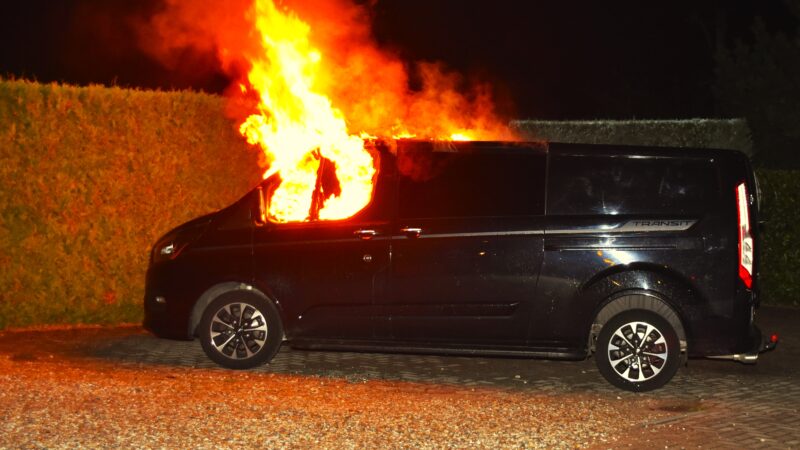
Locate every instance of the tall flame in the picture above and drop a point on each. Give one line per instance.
(297, 126)
(322, 87)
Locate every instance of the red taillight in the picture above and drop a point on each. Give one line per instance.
(745, 238)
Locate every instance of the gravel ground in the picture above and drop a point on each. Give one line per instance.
(53, 396)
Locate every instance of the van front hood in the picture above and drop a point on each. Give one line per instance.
(192, 224)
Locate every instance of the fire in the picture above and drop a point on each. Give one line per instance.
(298, 127)
(460, 137)
(325, 89)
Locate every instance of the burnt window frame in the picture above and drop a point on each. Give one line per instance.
(379, 210)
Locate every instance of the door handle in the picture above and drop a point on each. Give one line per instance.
(365, 234)
(411, 232)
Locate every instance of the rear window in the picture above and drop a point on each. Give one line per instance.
(631, 185)
(442, 184)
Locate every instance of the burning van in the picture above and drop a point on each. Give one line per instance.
(639, 256)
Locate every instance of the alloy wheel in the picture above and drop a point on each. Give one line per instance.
(637, 351)
(238, 330)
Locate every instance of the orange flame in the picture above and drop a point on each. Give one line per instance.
(323, 88)
(297, 126)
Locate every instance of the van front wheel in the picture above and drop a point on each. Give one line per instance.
(240, 330)
(638, 351)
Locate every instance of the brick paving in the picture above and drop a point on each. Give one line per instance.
(711, 404)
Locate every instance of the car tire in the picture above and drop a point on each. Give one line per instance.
(241, 330)
(638, 351)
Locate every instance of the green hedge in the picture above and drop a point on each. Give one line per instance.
(701, 133)
(89, 178)
(781, 245)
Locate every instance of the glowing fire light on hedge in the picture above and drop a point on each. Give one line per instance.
(305, 136)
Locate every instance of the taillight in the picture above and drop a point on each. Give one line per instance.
(745, 238)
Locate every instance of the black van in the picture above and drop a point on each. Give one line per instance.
(642, 256)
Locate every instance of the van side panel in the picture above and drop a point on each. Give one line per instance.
(467, 275)
(628, 219)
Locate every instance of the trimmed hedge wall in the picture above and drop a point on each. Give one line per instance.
(780, 198)
(702, 133)
(89, 178)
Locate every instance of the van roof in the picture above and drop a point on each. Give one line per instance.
(567, 148)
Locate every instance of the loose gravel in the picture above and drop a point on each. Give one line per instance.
(53, 396)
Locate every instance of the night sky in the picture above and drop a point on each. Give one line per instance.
(550, 60)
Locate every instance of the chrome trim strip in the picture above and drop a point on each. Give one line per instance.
(324, 241)
(589, 230)
(492, 233)
(633, 226)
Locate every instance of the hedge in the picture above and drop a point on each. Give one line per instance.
(89, 178)
(781, 244)
(701, 133)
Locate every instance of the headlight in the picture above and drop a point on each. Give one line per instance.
(167, 248)
(171, 245)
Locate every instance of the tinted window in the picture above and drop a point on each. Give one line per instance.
(625, 185)
(495, 183)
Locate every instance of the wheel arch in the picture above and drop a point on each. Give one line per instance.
(637, 300)
(215, 291)
(651, 271)
(647, 287)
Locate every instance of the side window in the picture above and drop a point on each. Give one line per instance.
(485, 184)
(305, 209)
(624, 185)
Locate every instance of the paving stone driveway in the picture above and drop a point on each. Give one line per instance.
(715, 404)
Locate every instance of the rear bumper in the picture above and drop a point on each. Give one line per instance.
(760, 343)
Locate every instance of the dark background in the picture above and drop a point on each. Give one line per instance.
(545, 60)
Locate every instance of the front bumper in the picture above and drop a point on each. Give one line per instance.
(165, 305)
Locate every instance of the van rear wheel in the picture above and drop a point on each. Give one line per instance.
(240, 330)
(638, 351)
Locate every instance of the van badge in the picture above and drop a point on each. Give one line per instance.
(656, 225)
